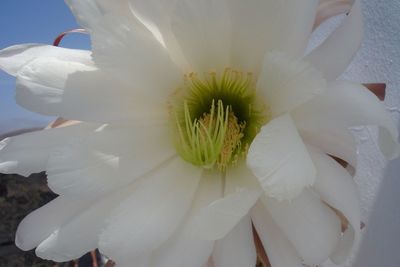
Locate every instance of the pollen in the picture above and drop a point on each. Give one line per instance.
(215, 119)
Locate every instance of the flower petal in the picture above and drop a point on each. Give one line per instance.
(263, 26)
(280, 161)
(124, 47)
(110, 157)
(237, 247)
(334, 55)
(338, 189)
(311, 226)
(29, 153)
(102, 16)
(336, 142)
(13, 58)
(138, 60)
(330, 8)
(280, 251)
(156, 16)
(202, 29)
(215, 220)
(347, 242)
(81, 92)
(80, 233)
(39, 224)
(150, 215)
(345, 105)
(141, 261)
(285, 83)
(239, 178)
(183, 249)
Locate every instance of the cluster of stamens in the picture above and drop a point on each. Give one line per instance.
(216, 119)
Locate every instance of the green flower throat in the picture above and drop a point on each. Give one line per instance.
(216, 118)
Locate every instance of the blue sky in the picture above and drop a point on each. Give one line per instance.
(31, 21)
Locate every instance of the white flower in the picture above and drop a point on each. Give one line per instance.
(199, 119)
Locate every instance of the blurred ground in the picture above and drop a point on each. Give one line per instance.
(18, 197)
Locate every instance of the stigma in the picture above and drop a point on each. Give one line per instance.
(215, 119)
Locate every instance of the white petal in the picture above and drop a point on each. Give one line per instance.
(156, 16)
(122, 46)
(330, 8)
(81, 92)
(141, 261)
(80, 233)
(217, 219)
(280, 251)
(39, 224)
(239, 178)
(202, 29)
(338, 189)
(138, 60)
(334, 55)
(112, 18)
(183, 249)
(345, 105)
(280, 161)
(29, 153)
(13, 58)
(336, 142)
(285, 83)
(263, 26)
(311, 226)
(108, 158)
(237, 248)
(86, 12)
(348, 241)
(148, 217)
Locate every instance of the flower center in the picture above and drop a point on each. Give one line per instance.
(216, 118)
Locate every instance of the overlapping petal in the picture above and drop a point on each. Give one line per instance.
(330, 8)
(263, 26)
(80, 233)
(223, 214)
(345, 105)
(124, 47)
(285, 82)
(41, 223)
(108, 158)
(203, 31)
(156, 16)
(333, 141)
(280, 161)
(334, 55)
(311, 226)
(183, 248)
(29, 153)
(338, 189)
(13, 58)
(82, 92)
(280, 251)
(215, 220)
(152, 213)
(237, 247)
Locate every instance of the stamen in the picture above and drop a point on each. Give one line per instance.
(216, 118)
(203, 139)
